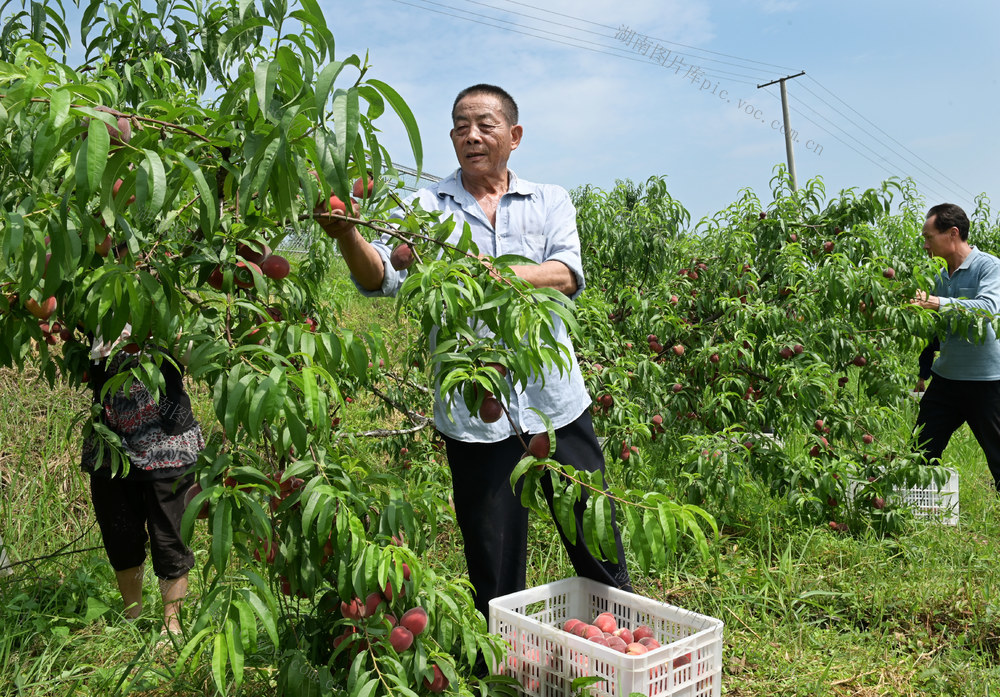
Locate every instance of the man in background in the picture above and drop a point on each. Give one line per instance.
(966, 375)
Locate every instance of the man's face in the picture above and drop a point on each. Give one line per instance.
(482, 137)
(938, 243)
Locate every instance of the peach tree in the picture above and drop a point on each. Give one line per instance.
(145, 193)
(769, 348)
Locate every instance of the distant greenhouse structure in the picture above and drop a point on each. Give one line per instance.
(408, 182)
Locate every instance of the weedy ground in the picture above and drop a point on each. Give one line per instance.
(807, 611)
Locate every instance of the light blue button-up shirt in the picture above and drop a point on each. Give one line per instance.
(536, 221)
(974, 285)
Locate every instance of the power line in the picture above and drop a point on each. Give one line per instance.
(665, 41)
(878, 155)
(967, 192)
(547, 38)
(881, 165)
(849, 120)
(616, 29)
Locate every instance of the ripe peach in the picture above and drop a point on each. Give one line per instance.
(635, 649)
(371, 603)
(414, 619)
(270, 551)
(335, 205)
(353, 610)
(539, 446)
(649, 642)
(642, 631)
(244, 273)
(438, 684)
(120, 133)
(253, 251)
(401, 639)
(606, 622)
(193, 491)
(682, 660)
(103, 248)
(591, 631)
(42, 310)
(276, 267)
(359, 189)
(215, 279)
(402, 257)
(617, 643)
(625, 634)
(116, 187)
(678, 349)
(601, 640)
(571, 624)
(491, 410)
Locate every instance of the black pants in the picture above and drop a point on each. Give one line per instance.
(126, 508)
(947, 404)
(494, 524)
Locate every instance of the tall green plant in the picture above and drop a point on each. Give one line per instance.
(792, 319)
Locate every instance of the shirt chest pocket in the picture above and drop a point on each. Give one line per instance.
(964, 291)
(529, 243)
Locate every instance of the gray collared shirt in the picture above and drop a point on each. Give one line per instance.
(974, 285)
(536, 221)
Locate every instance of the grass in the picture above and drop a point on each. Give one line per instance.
(807, 611)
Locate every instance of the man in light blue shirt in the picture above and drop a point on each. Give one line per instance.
(966, 375)
(506, 215)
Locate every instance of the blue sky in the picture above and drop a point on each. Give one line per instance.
(891, 88)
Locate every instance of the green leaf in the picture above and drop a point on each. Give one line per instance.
(368, 689)
(95, 608)
(324, 84)
(265, 615)
(98, 145)
(346, 115)
(157, 178)
(247, 623)
(222, 534)
(209, 206)
(236, 32)
(59, 107)
(265, 79)
(235, 645)
(219, 654)
(406, 116)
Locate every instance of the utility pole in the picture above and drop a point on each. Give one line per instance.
(788, 128)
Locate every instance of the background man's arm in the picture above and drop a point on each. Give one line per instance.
(987, 298)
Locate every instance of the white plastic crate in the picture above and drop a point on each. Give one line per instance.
(932, 502)
(545, 660)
